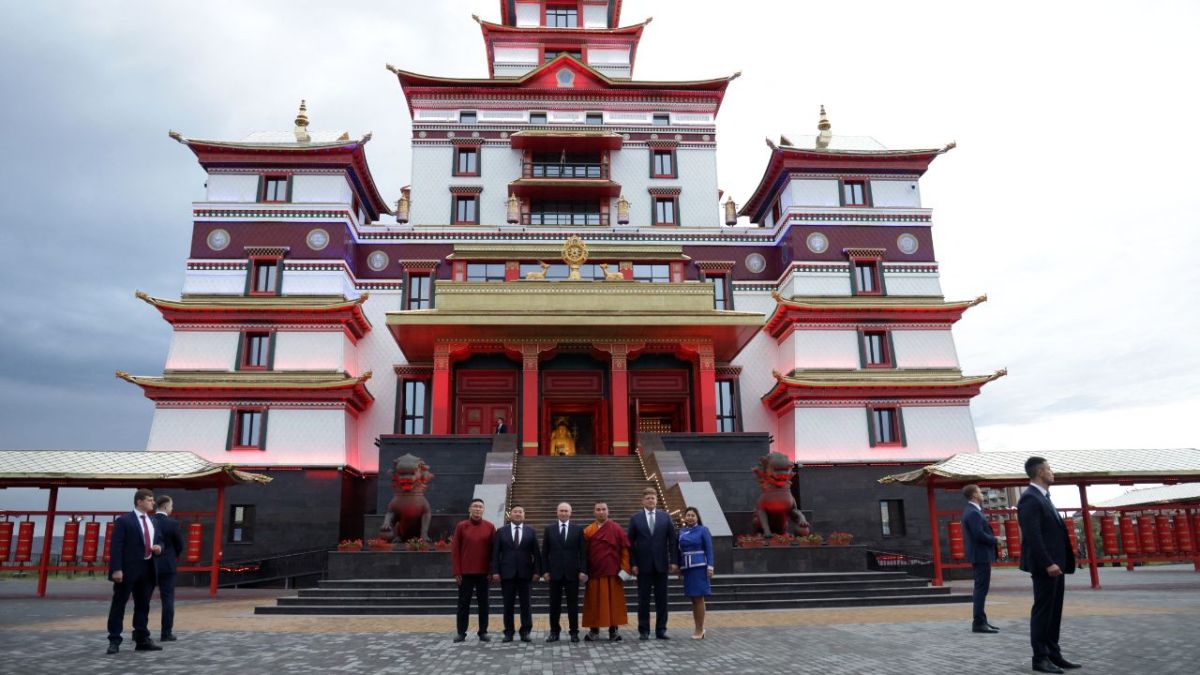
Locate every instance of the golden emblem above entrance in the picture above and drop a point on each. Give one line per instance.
(575, 254)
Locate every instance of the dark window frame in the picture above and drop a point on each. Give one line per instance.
(468, 117)
(265, 183)
(463, 151)
(542, 117)
(886, 356)
(875, 280)
(672, 168)
(255, 264)
(455, 209)
(563, 14)
(660, 119)
(673, 200)
(247, 350)
(728, 420)
(895, 524)
(236, 428)
(864, 188)
(593, 118)
(241, 530)
(406, 390)
(896, 437)
(423, 296)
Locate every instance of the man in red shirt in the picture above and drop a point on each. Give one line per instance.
(471, 558)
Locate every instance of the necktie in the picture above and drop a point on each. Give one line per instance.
(650, 519)
(146, 536)
(517, 535)
(1056, 513)
(563, 529)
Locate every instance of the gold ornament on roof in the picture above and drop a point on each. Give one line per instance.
(575, 254)
(301, 129)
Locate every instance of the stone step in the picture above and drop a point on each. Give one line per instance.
(542, 590)
(721, 580)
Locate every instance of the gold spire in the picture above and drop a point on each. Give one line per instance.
(301, 130)
(825, 128)
(823, 124)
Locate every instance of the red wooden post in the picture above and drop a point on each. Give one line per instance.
(619, 398)
(1194, 525)
(48, 538)
(1089, 538)
(706, 391)
(933, 532)
(529, 400)
(441, 395)
(215, 572)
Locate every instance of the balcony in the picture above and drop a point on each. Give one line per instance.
(568, 170)
(564, 218)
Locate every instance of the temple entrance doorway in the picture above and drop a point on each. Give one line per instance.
(574, 412)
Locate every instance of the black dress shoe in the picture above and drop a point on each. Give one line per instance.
(485, 638)
(983, 629)
(1063, 663)
(643, 636)
(507, 638)
(661, 636)
(147, 646)
(113, 648)
(574, 638)
(167, 638)
(1045, 666)
(553, 637)
(461, 637)
(995, 628)
(526, 638)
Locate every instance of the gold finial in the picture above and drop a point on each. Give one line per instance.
(301, 129)
(823, 124)
(825, 128)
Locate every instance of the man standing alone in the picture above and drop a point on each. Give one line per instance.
(135, 542)
(653, 545)
(564, 564)
(1046, 554)
(981, 551)
(470, 558)
(167, 563)
(515, 563)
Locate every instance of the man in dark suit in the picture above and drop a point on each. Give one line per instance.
(1046, 554)
(166, 564)
(981, 552)
(135, 542)
(652, 548)
(564, 565)
(515, 562)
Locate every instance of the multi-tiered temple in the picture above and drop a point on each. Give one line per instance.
(561, 261)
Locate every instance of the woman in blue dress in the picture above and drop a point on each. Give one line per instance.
(696, 565)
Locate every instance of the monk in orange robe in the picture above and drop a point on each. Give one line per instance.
(608, 555)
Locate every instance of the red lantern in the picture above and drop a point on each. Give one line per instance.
(6, 531)
(91, 541)
(1129, 539)
(108, 528)
(1145, 526)
(1012, 534)
(1166, 537)
(1108, 535)
(1182, 534)
(956, 540)
(195, 531)
(995, 525)
(70, 543)
(1070, 523)
(24, 542)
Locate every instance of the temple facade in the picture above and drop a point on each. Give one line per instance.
(562, 269)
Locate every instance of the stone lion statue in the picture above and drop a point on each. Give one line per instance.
(408, 513)
(776, 511)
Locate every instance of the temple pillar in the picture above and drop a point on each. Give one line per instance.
(619, 398)
(529, 398)
(440, 397)
(706, 396)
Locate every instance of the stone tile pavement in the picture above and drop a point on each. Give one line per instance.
(1147, 621)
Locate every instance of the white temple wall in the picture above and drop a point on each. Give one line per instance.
(317, 282)
(938, 432)
(895, 193)
(697, 180)
(203, 350)
(840, 434)
(829, 433)
(595, 16)
(320, 189)
(825, 349)
(819, 283)
(305, 436)
(529, 14)
(314, 350)
(232, 187)
(909, 283)
(203, 431)
(924, 349)
(756, 380)
(378, 352)
(810, 192)
(433, 168)
(214, 282)
(524, 56)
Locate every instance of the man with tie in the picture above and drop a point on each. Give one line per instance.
(515, 563)
(981, 551)
(564, 565)
(652, 546)
(1046, 554)
(165, 564)
(135, 542)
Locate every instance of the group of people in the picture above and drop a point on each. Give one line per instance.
(1046, 554)
(143, 553)
(597, 555)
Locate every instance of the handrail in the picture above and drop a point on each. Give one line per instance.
(565, 170)
(563, 218)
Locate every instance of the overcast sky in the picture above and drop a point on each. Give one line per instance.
(1067, 200)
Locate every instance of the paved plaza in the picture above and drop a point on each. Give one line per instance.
(1141, 622)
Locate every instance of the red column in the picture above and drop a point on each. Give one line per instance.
(707, 394)
(619, 399)
(215, 567)
(1089, 539)
(529, 399)
(44, 563)
(933, 533)
(440, 402)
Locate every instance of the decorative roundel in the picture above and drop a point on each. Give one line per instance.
(474, 134)
(817, 242)
(654, 137)
(450, 134)
(377, 261)
(565, 78)
(756, 263)
(317, 239)
(679, 137)
(907, 243)
(218, 240)
(626, 136)
(503, 134)
(706, 137)
(422, 134)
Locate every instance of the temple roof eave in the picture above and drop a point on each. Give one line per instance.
(819, 384)
(924, 309)
(185, 385)
(308, 309)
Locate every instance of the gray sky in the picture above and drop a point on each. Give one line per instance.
(1066, 200)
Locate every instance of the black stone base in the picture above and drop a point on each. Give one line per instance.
(388, 565)
(797, 559)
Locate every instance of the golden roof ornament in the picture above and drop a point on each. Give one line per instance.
(402, 205)
(301, 129)
(575, 254)
(730, 211)
(825, 128)
(622, 211)
(514, 210)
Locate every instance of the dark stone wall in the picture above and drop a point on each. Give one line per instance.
(457, 463)
(725, 460)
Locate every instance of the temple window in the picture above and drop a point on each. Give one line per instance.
(866, 277)
(876, 349)
(721, 297)
(467, 117)
(566, 213)
(566, 165)
(594, 118)
(537, 118)
(666, 210)
(241, 523)
(256, 351)
(264, 276)
(485, 271)
(414, 407)
(466, 161)
(885, 427)
(248, 429)
(662, 164)
(420, 291)
(654, 272)
(553, 53)
(466, 210)
(854, 193)
(562, 16)
(661, 119)
(727, 406)
(274, 189)
(891, 517)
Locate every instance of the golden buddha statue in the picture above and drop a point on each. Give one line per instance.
(562, 441)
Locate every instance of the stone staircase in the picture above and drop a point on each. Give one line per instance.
(541, 482)
(731, 592)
